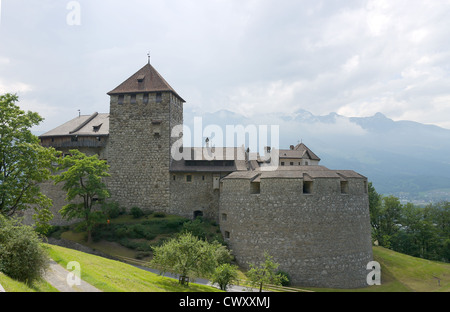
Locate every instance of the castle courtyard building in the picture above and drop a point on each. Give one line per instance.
(314, 221)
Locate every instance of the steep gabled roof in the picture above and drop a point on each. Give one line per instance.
(300, 151)
(147, 79)
(302, 147)
(84, 125)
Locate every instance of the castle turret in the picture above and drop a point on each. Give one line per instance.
(143, 111)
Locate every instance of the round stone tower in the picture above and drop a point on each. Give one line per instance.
(314, 221)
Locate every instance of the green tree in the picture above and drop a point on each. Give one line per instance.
(188, 257)
(440, 214)
(408, 239)
(22, 255)
(390, 218)
(265, 273)
(83, 181)
(225, 275)
(24, 163)
(375, 210)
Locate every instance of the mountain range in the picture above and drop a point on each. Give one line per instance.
(406, 159)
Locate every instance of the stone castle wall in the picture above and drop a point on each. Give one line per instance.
(321, 239)
(196, 195)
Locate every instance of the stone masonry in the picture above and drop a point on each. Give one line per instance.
(321, 238)
(314, 221)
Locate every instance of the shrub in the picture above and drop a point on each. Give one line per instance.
(286, 280)
(143, 254)
(136, 212)
(112, 210)
(121, 231)
(195, 227)
(159, 215)
(141, 231)
(22, 256)
(128, 243)
(56, 231)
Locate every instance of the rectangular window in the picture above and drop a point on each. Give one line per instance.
(282, 163)
(307, 187)
(227, 234)
(121, 99)
(189, 178)
(158, 97)
(291, 163)
(224, 217)
(174, 177)
(133, 99)
(255, 188)
(203, 178)
(344, 187)
(145, 98)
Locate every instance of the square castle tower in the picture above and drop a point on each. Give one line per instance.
(143, 110)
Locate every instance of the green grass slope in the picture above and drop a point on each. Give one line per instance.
(403, 273)
(400, 272)
(11, 285)
(115, 276)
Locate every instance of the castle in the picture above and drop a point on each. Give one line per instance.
(314, 221)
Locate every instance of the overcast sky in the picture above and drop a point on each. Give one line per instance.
(355, 58)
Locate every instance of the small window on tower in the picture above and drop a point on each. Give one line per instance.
(121, 98)
(158, 97)
(307, 187)
(140, 78)
(344, 187)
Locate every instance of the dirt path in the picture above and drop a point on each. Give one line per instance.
(56, 275)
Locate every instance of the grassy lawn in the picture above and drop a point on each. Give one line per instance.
(11, 285)
(403, 273)
(114, 276)
(414, 274)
